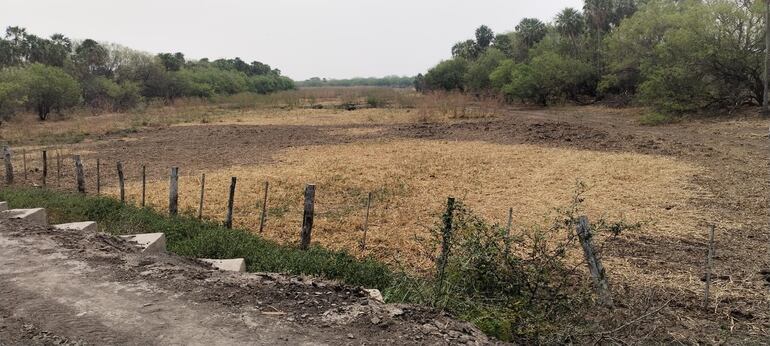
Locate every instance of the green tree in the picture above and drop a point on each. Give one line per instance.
(91, 59)
(48, 88)
(531, 31)
(504, 44)
(447, 75)
(12, 95)
(467, 50)
(484, 37)
(477, 76)
(547, 77)
(570, 23)
(172, 62)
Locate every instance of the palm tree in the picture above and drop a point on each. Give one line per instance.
(570, 23)
(531, 31)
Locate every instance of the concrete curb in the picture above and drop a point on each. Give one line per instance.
(86, 226)
(35, 215)
(230, 265)
(149, 242)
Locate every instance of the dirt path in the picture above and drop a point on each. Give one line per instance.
(66, 287)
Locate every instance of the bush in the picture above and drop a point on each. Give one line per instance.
(477, 78)
(447, 75)
(520, 286)
(46, 88)
(11, 97)
(548, 77)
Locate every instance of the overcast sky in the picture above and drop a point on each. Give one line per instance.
(303, 38)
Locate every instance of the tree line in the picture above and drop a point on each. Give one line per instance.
(47, 75)
(676, 56)
(387, 81)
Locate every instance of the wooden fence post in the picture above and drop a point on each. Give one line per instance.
(8, 165)
(203, 190)
(446, 241)
(307, 217)
(594, 263)
(173, 191)
(263, 217)
(507, 239)
(45, 167)
(709, 263)
(58, 167)
(80, 175)
(144, 183)
(24, 163)
(121, 183)
(366, 220)
(230, 204)
(99, 176)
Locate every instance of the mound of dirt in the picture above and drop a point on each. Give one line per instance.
(69, 287)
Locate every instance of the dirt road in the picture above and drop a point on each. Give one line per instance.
(67, 287)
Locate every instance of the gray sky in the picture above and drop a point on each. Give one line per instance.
(303, 38)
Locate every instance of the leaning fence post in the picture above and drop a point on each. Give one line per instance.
(594, 263)
(45, 167)
(173, 191)
(709, 263)
(24, 163)
(366, 220)
(144, 183)
(307, 217)
(8, 165)
(446, 239)
(203, 190)
(263, 217)
(230, 204)
(79, 175)
(121, 183)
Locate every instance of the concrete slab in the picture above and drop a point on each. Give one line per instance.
(149, 242)
(3, 206)
(230, 265)
(36, 215)
(86, 226)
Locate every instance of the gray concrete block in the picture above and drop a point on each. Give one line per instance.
(86, 226)
(3, 206)
(36, 215)
(230, 265)
(149, 242)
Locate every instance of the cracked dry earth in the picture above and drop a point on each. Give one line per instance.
(74, 288)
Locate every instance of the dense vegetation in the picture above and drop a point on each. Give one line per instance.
(46, 75)
(676, 56)
(387, 81)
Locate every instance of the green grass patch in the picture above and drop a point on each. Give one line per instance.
(188, 236)
(656, 118)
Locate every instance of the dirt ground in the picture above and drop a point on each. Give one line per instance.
(74, 288)
(731, 192)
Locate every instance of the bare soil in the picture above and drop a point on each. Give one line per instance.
(732, 194)
(74, 288)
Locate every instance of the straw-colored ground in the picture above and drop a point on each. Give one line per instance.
(676, 179)
(411, 179)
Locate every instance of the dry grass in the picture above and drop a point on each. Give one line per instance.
(411, 179)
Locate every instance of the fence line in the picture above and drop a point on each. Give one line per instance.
(583, 229)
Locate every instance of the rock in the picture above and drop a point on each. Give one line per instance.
(375, 294)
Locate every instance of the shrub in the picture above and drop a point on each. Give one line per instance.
(447, 75)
